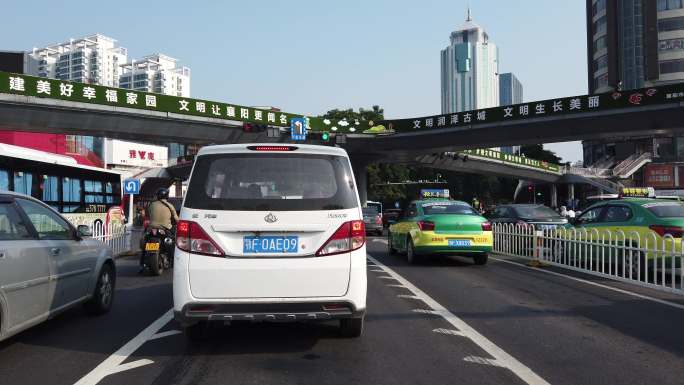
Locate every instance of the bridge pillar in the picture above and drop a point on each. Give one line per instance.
(554, 195)
(571, 195)
(361, 176)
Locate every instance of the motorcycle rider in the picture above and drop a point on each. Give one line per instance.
(162, 215)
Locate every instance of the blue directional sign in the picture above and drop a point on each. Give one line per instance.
(298, 128)
(132, 186)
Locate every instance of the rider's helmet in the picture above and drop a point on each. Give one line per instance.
(163, 193)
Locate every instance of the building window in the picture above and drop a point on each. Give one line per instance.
(671, 24)
(601, 81)
(600, 26)
(600, 43)
(599, 6)
(672, 44)
(672, 66)
(666, 5)
(601, 63)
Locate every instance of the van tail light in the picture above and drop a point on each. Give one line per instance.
(349, 236)
(486, 226)
(272, 148)
(378, 220)
(426, 226)
(675, 231)
(192, 238)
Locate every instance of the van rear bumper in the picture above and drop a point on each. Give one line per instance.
(275, 312)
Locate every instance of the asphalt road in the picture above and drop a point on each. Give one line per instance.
(445, 321)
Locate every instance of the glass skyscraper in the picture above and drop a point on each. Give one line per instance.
(470, 68)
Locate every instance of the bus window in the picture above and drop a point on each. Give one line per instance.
(50, 189)
(71, 194)
(23, 182)
(4, 180)
(93, 191)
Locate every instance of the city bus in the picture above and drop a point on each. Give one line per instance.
(83, 195)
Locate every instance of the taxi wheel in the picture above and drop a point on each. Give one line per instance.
(638, 267)
(481, 259)
(351, 327)
(411, 256)
(391, 250)
(101, 302)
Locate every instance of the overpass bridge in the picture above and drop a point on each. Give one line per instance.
(35, 104)
(47, 105)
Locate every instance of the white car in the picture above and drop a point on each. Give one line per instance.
(270, 233)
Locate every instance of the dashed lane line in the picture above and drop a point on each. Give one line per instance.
(449, 332)
(502, 358)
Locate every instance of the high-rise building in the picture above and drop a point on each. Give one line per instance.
(92, 59)
(470, 69)
(634, 43)
(96, 59)
(510, 90)
(156, 73)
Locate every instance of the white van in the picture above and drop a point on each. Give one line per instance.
(270, 233)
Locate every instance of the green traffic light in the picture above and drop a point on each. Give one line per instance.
(325, 136)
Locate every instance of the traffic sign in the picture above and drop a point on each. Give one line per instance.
(298, 128)
(132, 186)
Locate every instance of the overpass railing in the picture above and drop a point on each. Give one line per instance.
(644, 260)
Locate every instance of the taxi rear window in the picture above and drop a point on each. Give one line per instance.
(666, 209)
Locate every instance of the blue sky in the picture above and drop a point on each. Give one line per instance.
(311, 56)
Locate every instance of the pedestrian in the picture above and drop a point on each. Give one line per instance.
(563, 212)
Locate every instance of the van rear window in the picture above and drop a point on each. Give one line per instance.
(271, 182)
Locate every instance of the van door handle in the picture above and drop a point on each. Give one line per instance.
(55, 251)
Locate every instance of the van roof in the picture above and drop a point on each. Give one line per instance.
(301, 148)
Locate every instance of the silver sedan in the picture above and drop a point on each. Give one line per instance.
(47, 265)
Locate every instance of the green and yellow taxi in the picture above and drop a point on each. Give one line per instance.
(642, 220)
(441, 226)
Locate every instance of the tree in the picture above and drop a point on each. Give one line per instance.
(537, 151)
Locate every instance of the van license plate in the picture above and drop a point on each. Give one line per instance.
(459, 242)
(270, 245)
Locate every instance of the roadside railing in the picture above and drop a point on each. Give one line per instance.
(113, 235)
(645, 260)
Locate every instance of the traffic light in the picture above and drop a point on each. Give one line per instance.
(325, 136)
(530, 188)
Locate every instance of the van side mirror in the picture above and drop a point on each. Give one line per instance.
(84, 231)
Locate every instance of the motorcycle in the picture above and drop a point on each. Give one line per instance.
(158, 250)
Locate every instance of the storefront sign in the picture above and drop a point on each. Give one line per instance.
(133, 154)
(659, 175)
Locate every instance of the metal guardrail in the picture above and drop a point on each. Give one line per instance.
(114, 235)
(629, 257)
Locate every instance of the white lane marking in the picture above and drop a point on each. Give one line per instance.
(399, 286)
(637, 295)
(385, 277)
(407, 296)
(165, 334)
(380, 240)
(113, 363)
(426, 311)
(131, 365)
(450, 332)
(483, 361)
(504, 359)
(377, 271)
